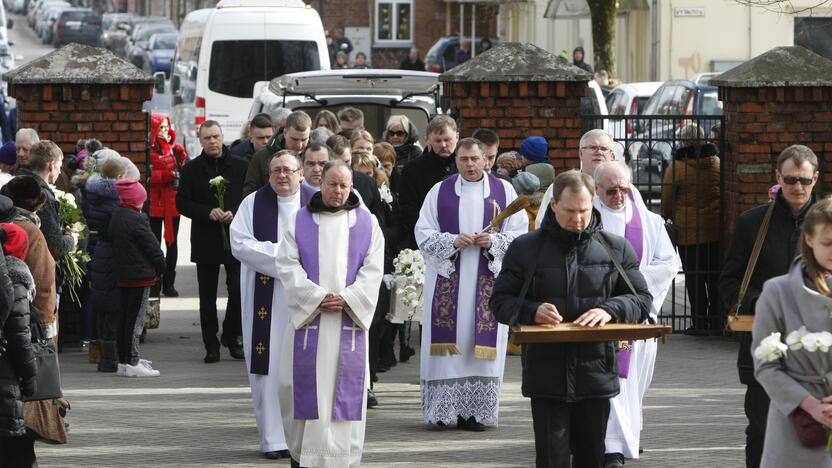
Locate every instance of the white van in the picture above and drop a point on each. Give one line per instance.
(223, 52)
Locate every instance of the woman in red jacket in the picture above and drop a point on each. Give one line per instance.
(166, 157)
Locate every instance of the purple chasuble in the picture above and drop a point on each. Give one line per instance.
(264, 224)
(634, 233)
(352, 356)
(443, 320)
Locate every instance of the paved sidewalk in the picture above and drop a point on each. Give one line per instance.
(201, 415)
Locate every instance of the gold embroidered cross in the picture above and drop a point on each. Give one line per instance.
(260, 348)
(262, 313)
(265, 279)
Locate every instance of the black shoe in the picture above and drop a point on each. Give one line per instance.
(170, 291)
(277, 454)
(212, 356)
(372, 401)
(406, 353)
(613, 460)
(236, 352)
(469, 424)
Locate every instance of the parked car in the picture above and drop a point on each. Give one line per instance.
(37, 9)
(223, 52)
(110, 23)
(43, 25)
(121, 44)
(683, 102)
(159, 52)
(704, 78)
(77, 25)
(141, 40)
(628, 99)
(6, 58)
(378, 93)
(442, 54)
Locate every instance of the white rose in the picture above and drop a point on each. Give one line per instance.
(770, 349)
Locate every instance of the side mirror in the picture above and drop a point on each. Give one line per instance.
(174, 84)
(159, 82)
(192, 73)
(9, 23)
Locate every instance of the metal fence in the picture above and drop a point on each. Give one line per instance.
(674, 161)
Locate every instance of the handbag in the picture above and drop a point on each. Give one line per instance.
(810, 432)
(153, 315)
(48, 377)
(744, 323)
(625, 348)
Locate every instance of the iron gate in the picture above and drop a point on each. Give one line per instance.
(674, 161)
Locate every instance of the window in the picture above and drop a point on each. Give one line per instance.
(394, 22)
(237, 65)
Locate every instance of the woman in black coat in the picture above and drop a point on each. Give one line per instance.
(17, 362)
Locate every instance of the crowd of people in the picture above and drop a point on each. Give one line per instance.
(306, 215)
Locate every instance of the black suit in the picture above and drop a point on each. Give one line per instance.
(195, 200)
(418, 177)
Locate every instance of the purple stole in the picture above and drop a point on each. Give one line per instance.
(634, 233)
(446, 292)
(352, 357)
(264, 224)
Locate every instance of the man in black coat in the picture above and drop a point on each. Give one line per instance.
(797, 174)
(293, 136)
(196, 199)
(573, 280)
(435, 164)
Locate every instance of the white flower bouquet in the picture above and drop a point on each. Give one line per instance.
(407, 293)
(72, 264)
(772, 349)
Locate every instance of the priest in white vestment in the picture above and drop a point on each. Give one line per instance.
(645, 232)
(463, 346)
(255, 236)
(596, 147)
(330, 262)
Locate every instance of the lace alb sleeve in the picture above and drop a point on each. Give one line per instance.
(438, 250)
(499, 245)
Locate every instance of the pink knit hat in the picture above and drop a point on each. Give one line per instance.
(131, 193)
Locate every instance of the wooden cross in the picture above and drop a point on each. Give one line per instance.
(265, 279)
(306, 334)
(353, 329)
(260, 348)
(262, 313)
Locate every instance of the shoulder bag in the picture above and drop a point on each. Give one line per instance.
(49, 372)
(744, 323)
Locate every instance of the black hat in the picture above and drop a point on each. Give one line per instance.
(7, 211)
(25, 192)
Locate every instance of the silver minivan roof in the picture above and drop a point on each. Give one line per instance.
(355, 82)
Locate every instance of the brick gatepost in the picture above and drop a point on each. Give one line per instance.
(780, 98)
(519, 90)
(79, 92)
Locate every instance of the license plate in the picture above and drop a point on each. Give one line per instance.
(73, 24)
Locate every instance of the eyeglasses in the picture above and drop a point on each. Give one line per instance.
(614, 191)
(596, 148)
(791, 180)
(283, 171)
(396, 133)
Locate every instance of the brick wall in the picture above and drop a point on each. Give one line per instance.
(428, 24)
(64, 114)
(759, 124)
(516, 110)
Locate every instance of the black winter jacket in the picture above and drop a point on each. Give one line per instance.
(779, 249)
(575, 274)
(195, 199)
(50, 221)
(17, 364)
(137, 252)
(242, 148)
(418, 177)
(99, 204)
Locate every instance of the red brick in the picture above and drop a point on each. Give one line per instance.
(102, 126)
(47, 93)
(138, 146)
(121, 126)
(504, 89)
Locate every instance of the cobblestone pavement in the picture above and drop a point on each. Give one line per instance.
(201, 415)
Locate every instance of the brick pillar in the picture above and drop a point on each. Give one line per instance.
(65, 113)
(519, 90)
(780, 98)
